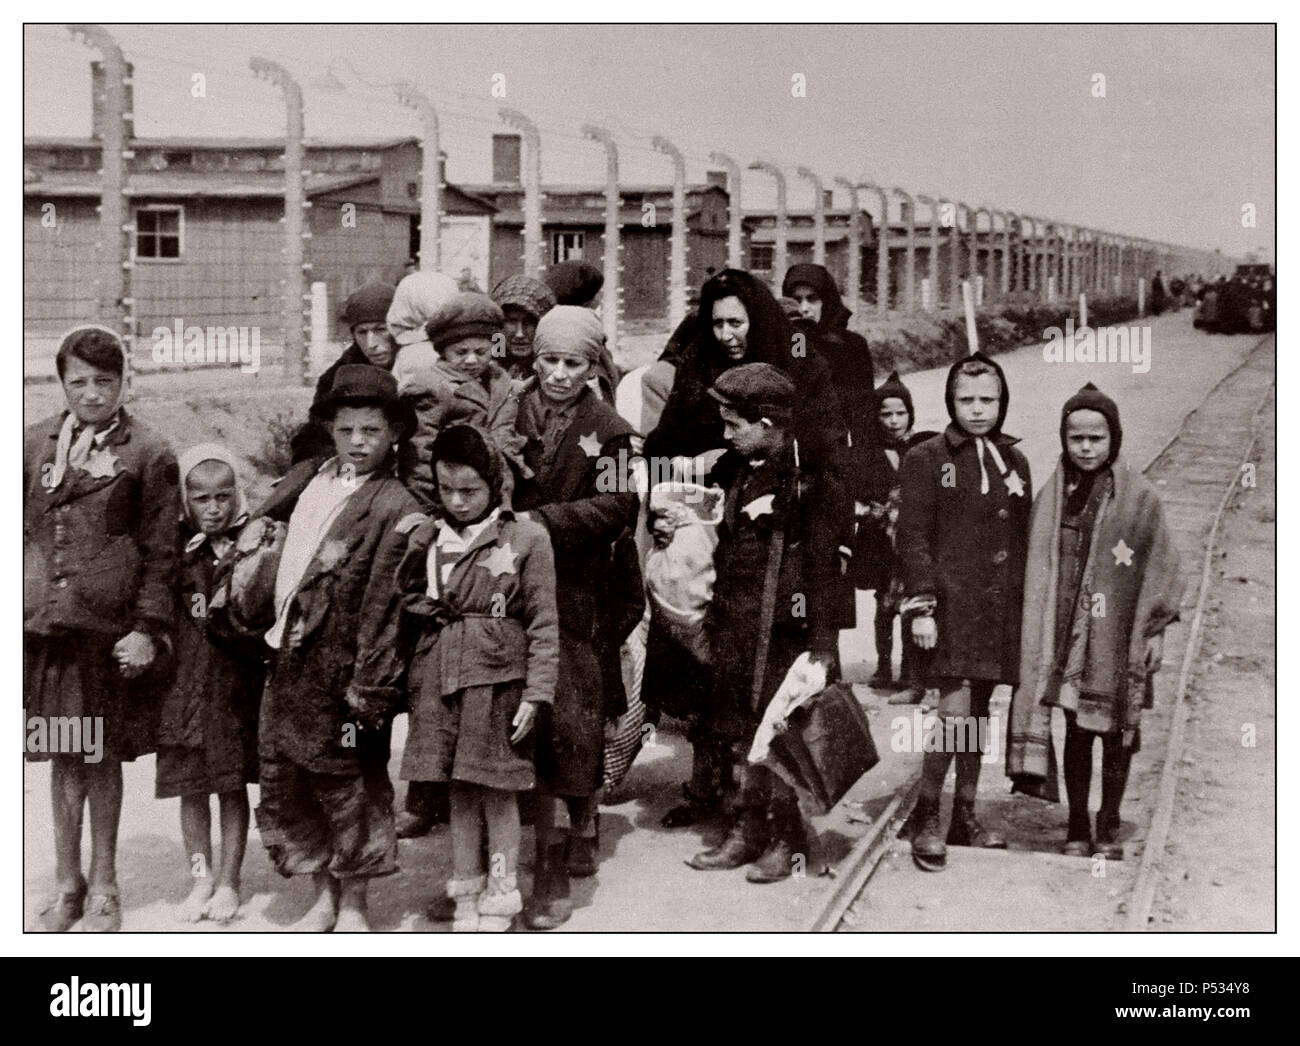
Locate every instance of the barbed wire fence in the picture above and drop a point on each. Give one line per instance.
(100, 247)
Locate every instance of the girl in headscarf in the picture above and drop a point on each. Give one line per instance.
(1102, 583)
(207, 731)
(481, 584)
(100, 530)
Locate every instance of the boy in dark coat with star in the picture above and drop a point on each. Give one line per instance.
(962, 531)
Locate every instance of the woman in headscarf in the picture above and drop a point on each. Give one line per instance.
(581, 283)
(739, 321)
(813, 290)
(101, 518)
(580, 451)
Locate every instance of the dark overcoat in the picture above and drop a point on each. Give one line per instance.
(585, 498)
(810, 508)
(967, 549)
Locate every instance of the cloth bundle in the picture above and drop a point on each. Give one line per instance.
(680, 577)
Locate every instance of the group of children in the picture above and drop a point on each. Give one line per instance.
(1065, 599)
(284, 641)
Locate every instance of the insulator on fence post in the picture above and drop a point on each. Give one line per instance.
(612, 313)
(677, 237)
(430, 177)
(297, 358)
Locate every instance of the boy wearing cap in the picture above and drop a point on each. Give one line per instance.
(335, 676)
(1102, 583)
(465, 385)
(780, 523)
(962, 529)
(364, 315)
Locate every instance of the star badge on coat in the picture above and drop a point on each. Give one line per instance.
(590, 445)
(1123, 554)
(101, 463)
(759, 507)
(1015, 484)
(501, 560)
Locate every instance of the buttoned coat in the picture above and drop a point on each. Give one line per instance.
(100, 551)
(967, 549)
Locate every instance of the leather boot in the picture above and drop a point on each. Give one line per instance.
(966, 831)
(786, 839)
(581, 856)
(549, 906)
(928, 851)
(1106, 841)
(744, 843)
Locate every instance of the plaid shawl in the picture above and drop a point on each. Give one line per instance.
(1133, 566)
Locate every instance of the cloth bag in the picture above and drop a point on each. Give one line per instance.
(679, 578)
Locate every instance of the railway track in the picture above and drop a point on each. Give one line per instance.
(1197, 471)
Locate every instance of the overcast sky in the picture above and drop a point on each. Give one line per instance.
(998, 115)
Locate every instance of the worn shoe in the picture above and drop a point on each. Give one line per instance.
(62, 911)
(965, 830)
(549, 906)
(1077, 848)
(103, 914)
(581, 856)
(928, 850)
(745, 842)
(1106, 841)
(498, 905)
(464, 896)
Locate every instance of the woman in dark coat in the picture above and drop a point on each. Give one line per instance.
(580, 451)
(101, 517)
(813, 288)
(739, 321)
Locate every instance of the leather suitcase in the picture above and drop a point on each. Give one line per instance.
(827, 745)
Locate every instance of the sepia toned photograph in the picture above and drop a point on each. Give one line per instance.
(649, 478)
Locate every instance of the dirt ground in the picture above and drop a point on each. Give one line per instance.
(1221, 861)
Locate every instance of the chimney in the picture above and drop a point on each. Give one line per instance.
(828, 198)
(718, 178)
(97, 94)
(507, 155)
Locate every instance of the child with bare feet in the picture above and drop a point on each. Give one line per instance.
(207, 729)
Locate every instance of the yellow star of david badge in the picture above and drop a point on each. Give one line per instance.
(590, 444)
(101, 463)
(759, 506)
(501, 560)
(1123, 554)
(1015, 484)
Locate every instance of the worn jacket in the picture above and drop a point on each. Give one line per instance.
(341, 637)
(100, 551)
(440, 397)
(495, 618)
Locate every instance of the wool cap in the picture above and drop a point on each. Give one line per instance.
(467, 314)
(360, 385)
(574, 282)
(368, 304)
(533, 296)
(572, 330)
(1092, 398)
(756, 390)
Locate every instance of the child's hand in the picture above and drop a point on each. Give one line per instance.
(134, 653)
(925, 633)
(523, 721)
